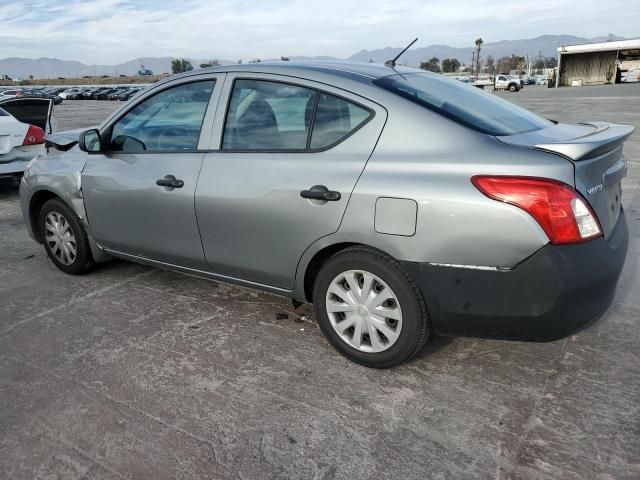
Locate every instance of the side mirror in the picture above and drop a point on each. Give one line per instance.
(90, 141)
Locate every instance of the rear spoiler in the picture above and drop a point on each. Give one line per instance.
(605, 137)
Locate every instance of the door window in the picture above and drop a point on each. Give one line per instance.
(169, 121)
(272, 116)
(266, 115)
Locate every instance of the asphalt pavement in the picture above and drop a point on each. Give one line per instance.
(133, 372)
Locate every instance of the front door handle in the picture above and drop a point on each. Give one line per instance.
(320, 192)
(170, 181)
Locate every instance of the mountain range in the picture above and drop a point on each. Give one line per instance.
(545, 45)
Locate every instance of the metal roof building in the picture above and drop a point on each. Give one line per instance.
(598, 63)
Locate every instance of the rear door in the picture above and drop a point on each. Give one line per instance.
(281, 142)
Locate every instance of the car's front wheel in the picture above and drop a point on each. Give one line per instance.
(513, 88)
(65, 240)
(369, 309)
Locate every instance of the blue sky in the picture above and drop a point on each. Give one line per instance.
(113, 31)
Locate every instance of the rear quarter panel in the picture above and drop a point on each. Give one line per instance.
(429, 159)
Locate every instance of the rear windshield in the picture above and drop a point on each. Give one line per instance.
(468, 105)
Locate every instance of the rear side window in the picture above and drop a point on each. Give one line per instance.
(3, 113)
(273, 116)
(335, 119)
(464, 103)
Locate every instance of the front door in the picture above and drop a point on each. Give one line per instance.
(139, 193)
(290, 154)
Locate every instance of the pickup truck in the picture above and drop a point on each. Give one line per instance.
(505, 82)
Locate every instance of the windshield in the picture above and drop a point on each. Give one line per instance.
(468, 105)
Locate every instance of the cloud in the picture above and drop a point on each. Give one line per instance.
(111, 31)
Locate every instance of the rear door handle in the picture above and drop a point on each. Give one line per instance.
(170, 181)
(320, 192)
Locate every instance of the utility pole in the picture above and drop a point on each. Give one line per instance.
(473, 62)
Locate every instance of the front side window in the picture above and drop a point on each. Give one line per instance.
(465, 104)
(169, 121)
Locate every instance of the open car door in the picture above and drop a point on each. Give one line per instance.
(33, 111)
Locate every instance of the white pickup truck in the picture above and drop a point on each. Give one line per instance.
(505, 82)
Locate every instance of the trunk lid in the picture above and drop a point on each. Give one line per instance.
(34, 111)
(595, 149)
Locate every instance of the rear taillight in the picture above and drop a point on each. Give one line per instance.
(560, 210)
(35, 136)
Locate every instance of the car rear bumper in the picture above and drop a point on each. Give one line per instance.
(556, 292)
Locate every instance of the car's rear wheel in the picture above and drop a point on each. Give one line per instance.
(65, 240)
(369, 309)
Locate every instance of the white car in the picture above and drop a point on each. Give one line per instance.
(24, 123)
(68, 91)
(11, 93)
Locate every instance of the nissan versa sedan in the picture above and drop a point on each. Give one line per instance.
(399, 202)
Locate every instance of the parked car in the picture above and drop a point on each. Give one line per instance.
(505, 82)
(23, 123)
(102, 94)
(36, 93)
(96, 94)
(80, 94)
(400, 202)
(88, 92)
(10, 93)
(114, 92)
(129, 94)
(70, 93)
(542, 79)
(55, 90)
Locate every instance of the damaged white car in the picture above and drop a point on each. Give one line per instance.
(24, 124)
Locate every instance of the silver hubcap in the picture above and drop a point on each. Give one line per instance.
(364, 311)
(60, 238)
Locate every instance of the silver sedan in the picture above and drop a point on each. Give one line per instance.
(399, 202)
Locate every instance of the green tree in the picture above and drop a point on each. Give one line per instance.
(211, 63)
(450, 65)
(490, 65)
(432, 65)
(478, 43)
(180, 65)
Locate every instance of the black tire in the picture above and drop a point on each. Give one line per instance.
(513, 87)
(83, 261)
(416, 327)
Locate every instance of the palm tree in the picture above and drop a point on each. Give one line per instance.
(478, 43)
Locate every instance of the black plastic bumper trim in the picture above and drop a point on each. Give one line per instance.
(556, 292)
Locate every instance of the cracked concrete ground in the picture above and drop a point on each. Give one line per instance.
(132, 372)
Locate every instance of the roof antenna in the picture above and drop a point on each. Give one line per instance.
(392, 63)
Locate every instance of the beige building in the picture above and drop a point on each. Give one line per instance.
(598, 63)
